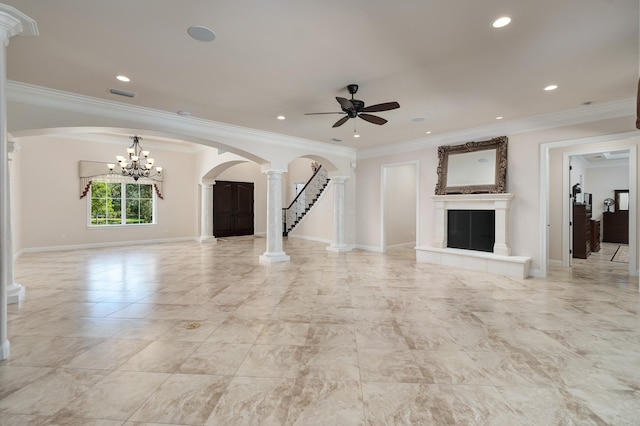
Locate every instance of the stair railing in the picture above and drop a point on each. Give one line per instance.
(304, 200)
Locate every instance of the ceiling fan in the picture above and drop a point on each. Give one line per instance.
(355, 108)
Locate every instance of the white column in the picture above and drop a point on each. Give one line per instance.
(274, 251)
(15, 292)
(12, 22)
(339, 201)
(441, 226)
(501, 245)
(206, 213)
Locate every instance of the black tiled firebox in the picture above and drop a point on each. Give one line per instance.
(471, 229)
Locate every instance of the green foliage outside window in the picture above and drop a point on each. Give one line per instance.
(110, 200)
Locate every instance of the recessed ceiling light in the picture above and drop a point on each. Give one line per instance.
(551, 87)
(429, 132)
(201, 33)
(184, 113)
(356, 135)
(281, 117)
(501, 22)
(123, 78)
(499, 117)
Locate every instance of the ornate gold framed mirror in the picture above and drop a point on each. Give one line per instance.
(473, 167)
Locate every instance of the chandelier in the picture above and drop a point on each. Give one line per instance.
(138, 164)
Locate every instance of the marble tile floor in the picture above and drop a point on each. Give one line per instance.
(355, 338)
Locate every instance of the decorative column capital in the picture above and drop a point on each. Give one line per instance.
(273, 172)
(13, 22)
(12, 148)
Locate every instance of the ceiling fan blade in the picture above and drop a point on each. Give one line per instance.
(320, 113)
(341, 121)
(373, 119)
(381, 107)
(345, 104)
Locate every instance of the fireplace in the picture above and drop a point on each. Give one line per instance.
(471, 229)
(457, 244)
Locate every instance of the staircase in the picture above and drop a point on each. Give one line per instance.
(305, 199)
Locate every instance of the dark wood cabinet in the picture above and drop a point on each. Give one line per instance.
(595, 235)
(232, 208)
(581, 231)
(615, 227)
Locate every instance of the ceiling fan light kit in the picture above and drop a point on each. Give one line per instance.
(353, 108)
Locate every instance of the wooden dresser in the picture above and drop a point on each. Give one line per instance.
(581, 231)
(615, 227)
(595, 235)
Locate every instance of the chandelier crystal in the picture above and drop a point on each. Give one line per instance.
(137, 163)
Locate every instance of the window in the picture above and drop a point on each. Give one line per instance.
(121, 204)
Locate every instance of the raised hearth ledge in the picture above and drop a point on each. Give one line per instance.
(510, 266)
(499, 262)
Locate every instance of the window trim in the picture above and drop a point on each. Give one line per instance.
(154, 201)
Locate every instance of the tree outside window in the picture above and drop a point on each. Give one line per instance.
(121, 204)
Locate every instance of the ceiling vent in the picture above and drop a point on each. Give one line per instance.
(121, 93)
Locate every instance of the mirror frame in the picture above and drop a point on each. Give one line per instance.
(617, 193)
(499, 144)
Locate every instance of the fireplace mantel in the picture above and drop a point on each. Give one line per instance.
(498, 202)
(500, 261)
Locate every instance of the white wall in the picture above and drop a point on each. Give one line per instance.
(53, 215)
(523, 180)
(399, 204)
(578, 175)
(369, 201)
(602, 182)
(299, 171)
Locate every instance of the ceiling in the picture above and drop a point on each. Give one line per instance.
(441, 60)
(605, 159)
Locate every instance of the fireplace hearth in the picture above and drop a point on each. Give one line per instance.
(476, 253)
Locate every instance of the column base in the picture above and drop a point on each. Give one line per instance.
(501, 249)
(274, 257)
(339, 248)
(210, 239)
(15, 294)
(4, 350)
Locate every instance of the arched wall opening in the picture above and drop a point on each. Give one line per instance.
(317, 225)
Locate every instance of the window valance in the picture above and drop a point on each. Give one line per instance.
(88, 171)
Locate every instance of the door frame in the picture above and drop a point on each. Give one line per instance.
(545, 148)
(383, 188)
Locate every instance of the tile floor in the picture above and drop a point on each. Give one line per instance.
(327, 339)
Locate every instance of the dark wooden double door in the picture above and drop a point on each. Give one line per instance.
(232, 209)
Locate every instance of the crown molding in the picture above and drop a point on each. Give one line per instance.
(219, 132)
(13, 22)
(615, 109)
(216, 131)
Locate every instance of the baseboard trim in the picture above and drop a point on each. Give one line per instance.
(308, 238)
(412, 244)
(369, 248)
(106, 245)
